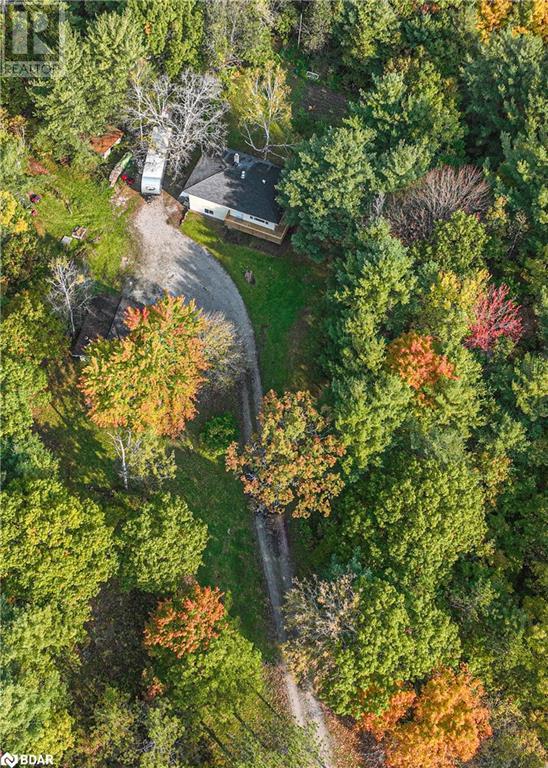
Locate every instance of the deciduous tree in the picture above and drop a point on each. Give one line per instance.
(260, 102)
(223, 352)
(70, 291)
(186, 624)
(30, 336)
(149, 379)
(395, 636)
(413, 213)
(142, 457)
(57, 547)
(414, 359)
(188, 111)
(291, 462)
(494, 316)
(34, 711)
(449, 723)
(237, 33)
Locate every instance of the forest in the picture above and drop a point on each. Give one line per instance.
(399, 449)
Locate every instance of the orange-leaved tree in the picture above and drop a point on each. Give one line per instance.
(381, 724)
(148, 380)
(291, 461)
(186, 623)
(449, 723)
(413, 358)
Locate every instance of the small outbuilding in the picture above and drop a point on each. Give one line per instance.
(103, 144)
(239, 190)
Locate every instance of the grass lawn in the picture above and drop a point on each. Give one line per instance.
(283, 305)
(70, 199)
(230, 559)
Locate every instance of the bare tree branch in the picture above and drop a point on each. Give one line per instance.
(70, 292)
(223, 351)
(318, 614)
(190, 111)
(414, 212)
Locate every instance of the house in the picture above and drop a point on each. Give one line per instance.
(239, 190)
(155, 162)
(103, 144)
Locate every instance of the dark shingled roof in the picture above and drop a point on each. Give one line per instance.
(219, 180)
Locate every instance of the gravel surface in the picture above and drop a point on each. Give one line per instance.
(171, 261)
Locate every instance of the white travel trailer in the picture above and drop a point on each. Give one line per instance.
(155, 162)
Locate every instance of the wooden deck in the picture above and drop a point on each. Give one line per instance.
(272, 235)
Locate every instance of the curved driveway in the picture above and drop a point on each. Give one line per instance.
(171, 261)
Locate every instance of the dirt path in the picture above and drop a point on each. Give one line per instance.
(172, 261)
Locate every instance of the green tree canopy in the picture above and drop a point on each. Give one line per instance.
(411, 519)
(160, 544)
(324, 187)
(505, 89)
(57, 547)
(415, 121)
(173, 31)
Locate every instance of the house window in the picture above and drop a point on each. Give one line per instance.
(208, 210)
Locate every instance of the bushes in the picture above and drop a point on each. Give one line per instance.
(218, 433)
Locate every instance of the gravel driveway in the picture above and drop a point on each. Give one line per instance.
(170, 261)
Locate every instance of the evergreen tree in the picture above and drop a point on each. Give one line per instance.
(415, 121)
(324, 188)
(173, 31)
(148, 558)
(61, 101)
(505, 90)
(114, 46)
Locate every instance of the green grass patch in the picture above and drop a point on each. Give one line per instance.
(231, 559)
(88, 465)
(71, 198)
(283, 305)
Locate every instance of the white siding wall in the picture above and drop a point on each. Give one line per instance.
(220, 211)
(199, 205)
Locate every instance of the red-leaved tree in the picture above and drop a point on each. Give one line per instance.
(415, 360)
(494, 315)
(186, 624)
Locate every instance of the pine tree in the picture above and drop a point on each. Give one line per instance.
(173, 31)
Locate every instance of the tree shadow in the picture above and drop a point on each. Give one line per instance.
(86, 458)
